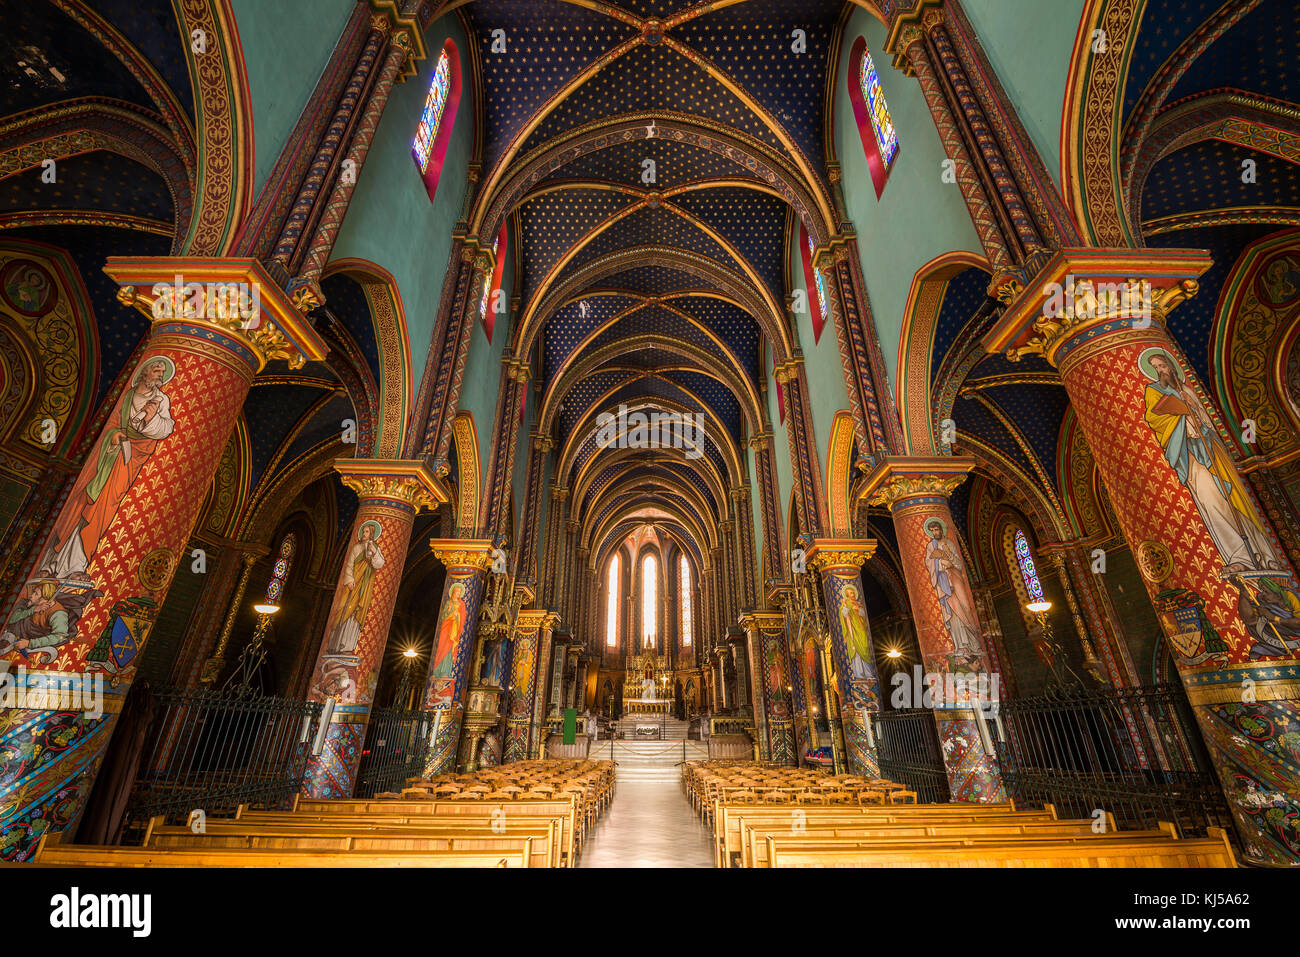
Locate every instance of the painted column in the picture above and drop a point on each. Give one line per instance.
(948, 627)
(744, 548)
(774, 671)
(523, 684)
(104, 569)
(467, 563)
(840, 562)
(1225, 595)
(390, 493)
(738, 662)
(754, 657)
(541, 684)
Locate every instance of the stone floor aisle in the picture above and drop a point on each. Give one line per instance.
(650, 824)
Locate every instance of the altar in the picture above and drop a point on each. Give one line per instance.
(647, 706)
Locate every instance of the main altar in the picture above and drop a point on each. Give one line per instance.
(647, 685)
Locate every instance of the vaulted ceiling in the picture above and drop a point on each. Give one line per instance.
(652, 159)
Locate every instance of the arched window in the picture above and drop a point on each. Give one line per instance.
(280, 570)
(875, 123)
(815, 285)
(687, 614)
(649, 582)
(1028, 571)
(437, 118)
(611, 604)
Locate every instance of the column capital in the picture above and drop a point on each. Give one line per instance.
(762, 441)
(740, 492)
(515, 369)
(902, 478)
(788, 370)
(559, 493)
(841, 554)
(1081, 294)
(763, 620)
(542, 443)
(404, 481)
(230, 298)
(466, 553)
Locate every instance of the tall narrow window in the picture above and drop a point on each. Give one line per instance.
(437, 118)
(882, 124)
(875, 123)
(649, 582)
(280, 570)
(814, 283)
(1028, 571)
(611, 605)
(687, 616)
(431, 116)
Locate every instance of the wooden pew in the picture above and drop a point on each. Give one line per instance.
(1104, 850)
(728, 843)
(90, 855)
(754, 836)
(541, 840)
(564, 808)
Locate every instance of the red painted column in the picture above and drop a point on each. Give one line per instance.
(1222, 588)
(83, 618)
(467, 563)
(356, 632)
(948, 627)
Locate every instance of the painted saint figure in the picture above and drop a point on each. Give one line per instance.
(1195, 453)
(44, 618)
(143, 420)
(451, 625)
(857, 639)
(353, 601)
(948, 577)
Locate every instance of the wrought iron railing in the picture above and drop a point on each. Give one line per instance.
(1133, 752)
(907, 744)
(214, 750)
(397, 744)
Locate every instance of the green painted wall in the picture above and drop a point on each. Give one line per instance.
(1029, 43)
(482, 383)
(827, 393)
(780, 452)
(284, 55)
(894, 239)
(391, 221)
(756, 504)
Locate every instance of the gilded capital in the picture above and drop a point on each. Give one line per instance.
(471, 554)
(903, 487)
(403, 482)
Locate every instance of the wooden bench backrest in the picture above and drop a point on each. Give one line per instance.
(728, 840)
(84, 855)
(564, 806)
(542, 842)
(754, 836)
(1111, 851)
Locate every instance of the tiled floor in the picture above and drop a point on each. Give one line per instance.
(650, 824)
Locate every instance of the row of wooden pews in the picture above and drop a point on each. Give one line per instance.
(540, 821)
(762, 834)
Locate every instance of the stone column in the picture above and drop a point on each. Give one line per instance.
(537, 732)
(390, 493)
(742, 675)
(948, 627)
(467, 562)
(104, 568)
(523, 682)
(1216, 573)
(762, 705)
(774, 674)
(840, 563)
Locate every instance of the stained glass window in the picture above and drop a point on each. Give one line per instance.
(487, 283)
(881, 122)
(818, 281)
(611, 605)
(431, 116)
(280, 570)
(687, 615)
(649, 582)
(1028, 571)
